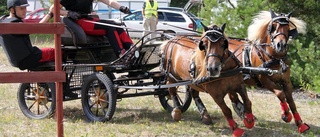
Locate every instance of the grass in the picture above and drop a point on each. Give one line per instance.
(144, 116)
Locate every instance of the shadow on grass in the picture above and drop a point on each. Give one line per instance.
(262, 127)
(127, 116)
(275, 129)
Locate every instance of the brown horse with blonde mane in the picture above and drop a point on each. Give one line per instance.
(203, 60)
(267, 47)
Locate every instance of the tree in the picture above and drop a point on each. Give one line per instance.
(178, 3)
(3, 7)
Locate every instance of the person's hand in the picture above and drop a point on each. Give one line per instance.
(73, 15)
(125, 10)
(51, 9)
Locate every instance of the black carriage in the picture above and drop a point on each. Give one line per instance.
(96, 76)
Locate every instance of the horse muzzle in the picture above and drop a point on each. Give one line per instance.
(214, 70)
(280, 47)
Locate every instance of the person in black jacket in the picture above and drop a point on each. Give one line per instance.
(18, 47)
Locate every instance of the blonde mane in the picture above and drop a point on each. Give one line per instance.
(258, 28)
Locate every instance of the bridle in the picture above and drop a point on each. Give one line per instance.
(280, 20)
(213, 36)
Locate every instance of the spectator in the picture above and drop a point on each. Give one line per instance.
(150, 18)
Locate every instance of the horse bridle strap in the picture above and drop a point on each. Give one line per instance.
(214, 39)
(280, 20)
(216, 55)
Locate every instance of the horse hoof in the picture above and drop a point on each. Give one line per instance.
(249, 120)
(286, 118)
(248, 123)
(238, 132)
(176, 114)
(206, 119)
(303, 128)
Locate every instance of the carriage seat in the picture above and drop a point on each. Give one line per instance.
(75, 36)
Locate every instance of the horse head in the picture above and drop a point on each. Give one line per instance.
(213, 44)
(279, 31)
(270, 28)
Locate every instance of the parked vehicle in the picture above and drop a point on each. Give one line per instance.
(171, 18)
(36, 16)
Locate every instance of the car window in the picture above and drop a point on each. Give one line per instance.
(174, 17)
(134, 16)
(160, 16)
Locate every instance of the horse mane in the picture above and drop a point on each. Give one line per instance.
(259, 25)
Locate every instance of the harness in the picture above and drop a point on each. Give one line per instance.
(169, 61)
(261, 52)
(192, 70)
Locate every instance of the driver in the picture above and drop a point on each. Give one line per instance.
(78, 11)
(18, 47)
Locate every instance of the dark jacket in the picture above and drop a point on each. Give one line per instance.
(19, 49)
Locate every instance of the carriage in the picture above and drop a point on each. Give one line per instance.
(96, 76)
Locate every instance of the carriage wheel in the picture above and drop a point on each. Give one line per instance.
(184, 97)
(98, 98)
(37, 100)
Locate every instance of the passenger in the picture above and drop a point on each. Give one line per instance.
(18, 47)
(78, 10)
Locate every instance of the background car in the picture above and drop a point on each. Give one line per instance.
(36, 16)
(170, 18)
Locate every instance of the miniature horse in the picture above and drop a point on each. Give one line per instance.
(267, 48)
(202, 60)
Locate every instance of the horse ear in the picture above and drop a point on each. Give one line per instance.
(223, 26)
(289, 15)
(204, 26)
(226, 44)
(273, 15)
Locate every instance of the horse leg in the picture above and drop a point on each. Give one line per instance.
(176, 112)
(302, 127)
(248, 116)
(236, 104)
(205, 117)
(285, 114)
(236, 131)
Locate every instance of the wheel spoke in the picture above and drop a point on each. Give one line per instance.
(45, 105)
(97, 109)
(38, 107)
(104, 111)
(179, 98)
(32, 105)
